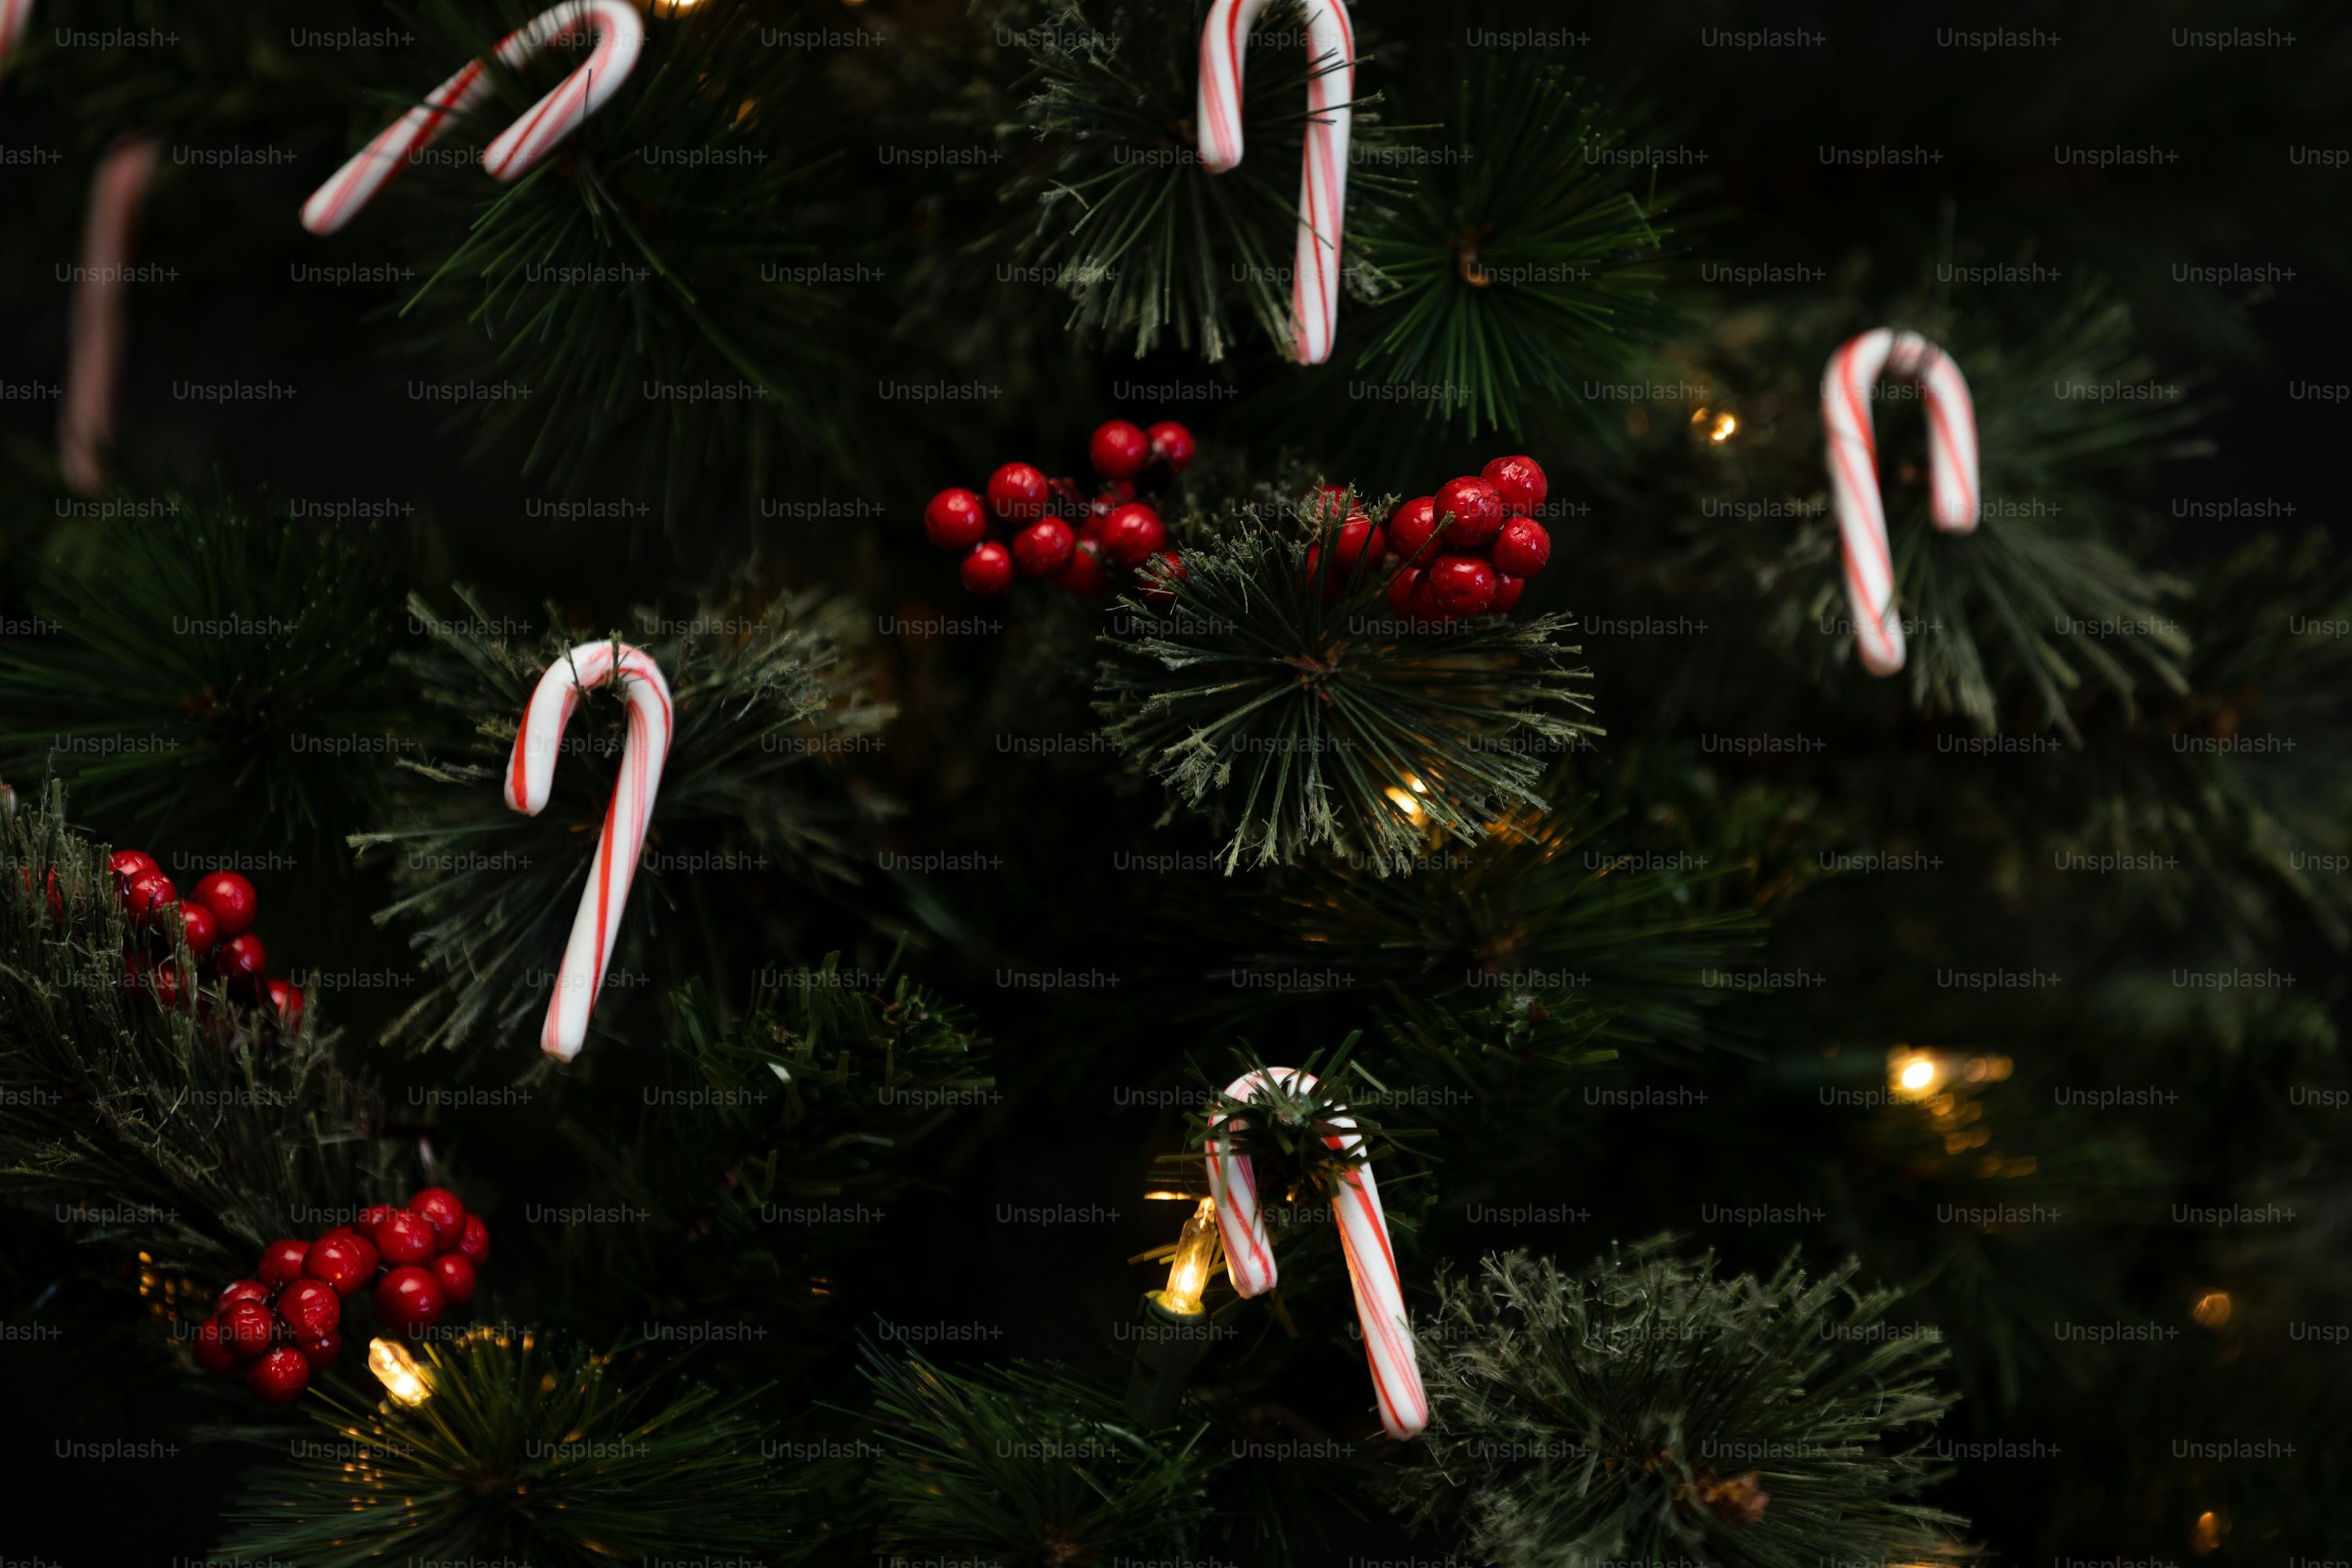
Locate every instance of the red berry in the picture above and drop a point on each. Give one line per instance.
(1521, 548)
(165, 981)
(369, 1218)
(1507, 590)
(1133, 534)
(248, 1327)
(357, 1239)
(232, 900)
(405, 1237)
(457, 1277)
(213, 1353)
(1411, 527)
(339, 1262)
(955, 520)
(410, 1299)
(243, 1290)
(1517, 480)
(474, 1241)
(279, 1377)
(242, 961)
(1171, 443)
(309, 1308)
(1361, 539)
(1476, 508)
(149, 898)
(286, 998)
(1119, 450)
(281, 1262)
(1018, 492)
(199, 925)
(126, 865)
(1043, 548)
(321, 1351)
(440, 1206)
(1084, 575)
(1403, 588)
(1462, 584)
(987, 570)
(1425, 606)
(1159, 577)
(55, 889)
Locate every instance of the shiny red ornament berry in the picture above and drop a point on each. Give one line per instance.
(1517, 480)
(1171, 443)
(1132, 534)
(1411, 527)
(410, 1299)
(278, 1377)
(1507, 590)
(199, 925)
(1084, 575)
(1476, 506)
(1042, 549)
(129, 864)
(457, 1277)
(232, 900)
(1119, 450)
(1462, 584)
(248, 1327)
(474, 1241)
(1521, 548)
(309, 1308)
(1018, 492)
(286, 998)
(343, 1263)
(987, 570)
(321, 1351)
(956, 520)
(405, 1237)
(165, 982)
(1160, 576)
(368, 1254)
(368, 1218)
(149, 898)
(1402, 588)
(242, 961)
(281, 1262)
(214, 1353)
(243, 1290)
(1359, 539)
(442, 1206)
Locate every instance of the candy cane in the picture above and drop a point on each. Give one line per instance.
(531, 776)
(620, 34)
(1323, 174)
(1363, 1236)
(1853, 371)
(96, 330)
(16, 15)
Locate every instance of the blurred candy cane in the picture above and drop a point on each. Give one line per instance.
(95, 328)
(1363, 1236)
(532, 775)
(1846, 385)
(619, 34)
(1323, 175)
(16, 15)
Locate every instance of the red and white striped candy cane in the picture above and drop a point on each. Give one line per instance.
(531, 776)
(16, 15)
(1323, 174)
(97, 326)
(1363, 1236)
(620, 34)
(1846, 385)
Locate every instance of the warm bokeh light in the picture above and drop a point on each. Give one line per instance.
(2212, 1309)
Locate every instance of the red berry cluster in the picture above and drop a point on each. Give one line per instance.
(1467, 551)
(1114, 528)
(286, 1322)
(216, 916)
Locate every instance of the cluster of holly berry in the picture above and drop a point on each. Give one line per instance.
(1468, 550)
(1113, 526)
(287, 1323)
(216, 918)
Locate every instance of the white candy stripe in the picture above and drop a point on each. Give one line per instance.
(1323, 172)
(1363, 1237)
(620, 34)
(96, 330)
(1852, 452)
(531, 776)
(16, 15)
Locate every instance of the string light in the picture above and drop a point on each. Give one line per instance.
(398, 1371)
(1195, 1256)
(2212, 1309)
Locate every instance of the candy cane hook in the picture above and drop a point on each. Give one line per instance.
(1323, 173)
(619, 34)
(1846, 385)
(531, 776)
(1363, 1237)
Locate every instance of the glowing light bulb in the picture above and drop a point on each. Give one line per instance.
(1913, 1075)
(1725, 425)
(400, 1376)
(1196, 1254)
(2212, 1309)
(1404, 802)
